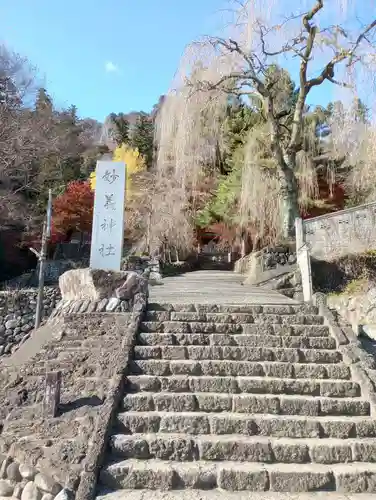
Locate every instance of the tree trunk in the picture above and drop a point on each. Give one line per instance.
(243, 246)
(289, 194)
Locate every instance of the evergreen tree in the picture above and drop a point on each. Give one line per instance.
(121, 131)
(143, 138)
(43, 103)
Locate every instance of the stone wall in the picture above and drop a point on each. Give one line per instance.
(25, 482)
(348, 231)
(273, 267)
(146, 266)
(91, 352)
(17, 315)
(355, 308)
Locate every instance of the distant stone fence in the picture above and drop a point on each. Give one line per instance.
(331, 236)
(345, 232)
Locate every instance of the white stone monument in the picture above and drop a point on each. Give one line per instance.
(108, 218)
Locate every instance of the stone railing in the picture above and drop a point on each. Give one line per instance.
(53, 438)
(340, 233)
(362, 364)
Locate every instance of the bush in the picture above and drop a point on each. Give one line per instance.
(337, 275)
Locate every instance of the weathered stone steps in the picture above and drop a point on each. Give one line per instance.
(235, 447)
(248, 326)
(245, 403)
(291, 426)
(232, 368)
(234, 476)
(231, 318)
(230, 309)
(223, 339)
(218, 494)
(249, 385)
(233, 353)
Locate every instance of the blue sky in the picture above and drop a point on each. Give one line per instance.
(109, 55)
(73, 42)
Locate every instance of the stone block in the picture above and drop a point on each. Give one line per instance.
(243, 477)
(129, 446)
(282, 427)
(256, 404)
(175, 402)
(332, 406)
(213, 384)
(299, 406)
(237, 449)
(147, 352)
(153, 339)
(204, 352)
(94, 284)
(300, 480)
(138, 402)
(151, 367)
(331, 453)
(175, 384)
(290, 453)
(131, 423)
(231, 424)
(191, 339)
(214, 402)
(185, 367)
(337, 429)
(185, 423)
(173, 448)
(143, 383)
(174, 352)
(340, 389)
(138, 475)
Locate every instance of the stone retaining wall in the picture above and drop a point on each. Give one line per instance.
(91, 351)
(25, 482)
(17, 315)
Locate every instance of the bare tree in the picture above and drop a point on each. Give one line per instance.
(319, 43)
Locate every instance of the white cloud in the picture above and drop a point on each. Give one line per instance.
(110, 67)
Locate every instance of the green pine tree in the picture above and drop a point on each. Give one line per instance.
(143, 138)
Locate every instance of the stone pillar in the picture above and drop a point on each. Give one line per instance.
(304, 263)
(299, 233)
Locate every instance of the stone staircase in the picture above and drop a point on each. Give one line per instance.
(230, 398)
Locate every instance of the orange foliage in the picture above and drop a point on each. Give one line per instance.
(73, 210)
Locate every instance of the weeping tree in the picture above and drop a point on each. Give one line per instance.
(320, 45)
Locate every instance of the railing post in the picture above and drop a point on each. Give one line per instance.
(303, 260)
(51, 398)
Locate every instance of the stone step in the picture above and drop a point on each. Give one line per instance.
(231, 353)
(231, 309)
(264, 425)
(239, 317)
(239, 448)
(217, 494)
(165, 367)
(259, 324)
(249, 329)
(233, 476)
(245, 403)
(249, 385)
(222, 339)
